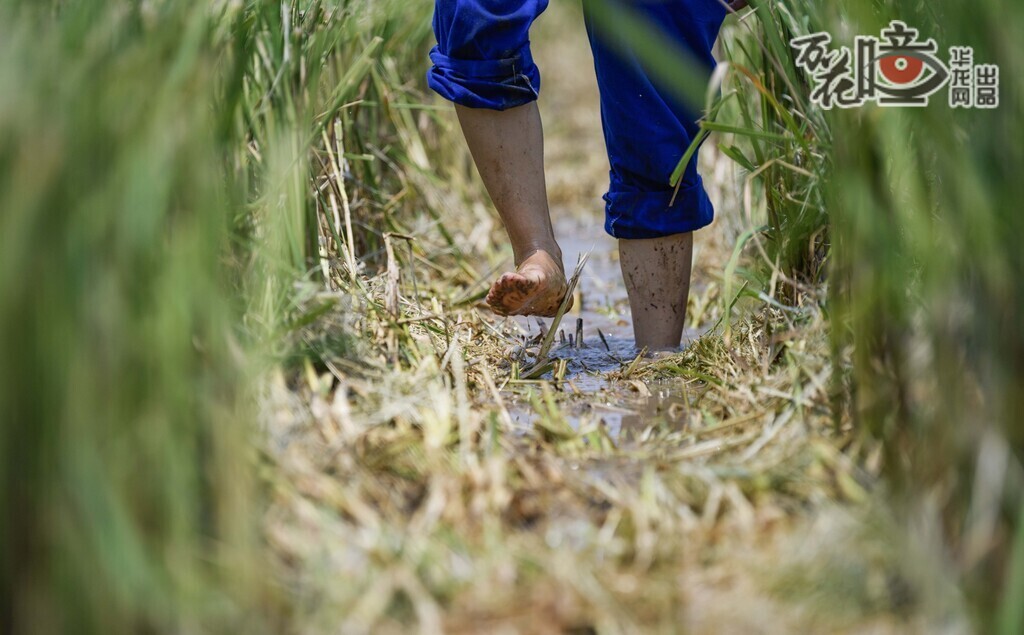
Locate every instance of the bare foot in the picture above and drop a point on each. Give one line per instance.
(535, 288)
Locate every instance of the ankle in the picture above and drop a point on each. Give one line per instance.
(552, 250)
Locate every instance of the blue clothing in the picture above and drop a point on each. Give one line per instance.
(482, 60)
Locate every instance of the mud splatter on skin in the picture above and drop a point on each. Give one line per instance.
(536, 289)
(656, 272)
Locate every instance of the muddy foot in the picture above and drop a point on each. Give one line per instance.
(535, 288)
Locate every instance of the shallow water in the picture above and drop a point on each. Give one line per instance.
(603, 307)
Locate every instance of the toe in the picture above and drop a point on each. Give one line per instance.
(510, 293)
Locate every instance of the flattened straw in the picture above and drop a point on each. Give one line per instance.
(323, 245)
(340, 177)
(496, 395)
(768, 434)
(412, 273)
(538, 369)
(545, 346)
(549, 338)
(632, 365)
(541, 327)
(728, 424)
(468, 426)
(391, 291)
(560, 370)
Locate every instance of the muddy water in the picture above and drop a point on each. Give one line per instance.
(607, 345)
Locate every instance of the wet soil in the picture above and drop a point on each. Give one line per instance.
(601, 315)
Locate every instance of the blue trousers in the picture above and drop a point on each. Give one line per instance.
(482, 60)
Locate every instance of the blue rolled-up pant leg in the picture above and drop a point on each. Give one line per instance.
(482, 60)
(647, 131)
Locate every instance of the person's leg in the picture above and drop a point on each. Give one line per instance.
(648, 127)
(482, 63)
(657, 276)
(508, 149)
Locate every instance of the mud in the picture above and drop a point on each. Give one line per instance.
(624, 407)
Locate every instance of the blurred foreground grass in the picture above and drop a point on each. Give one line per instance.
(126, 489)
(243, 385)
(913, 211)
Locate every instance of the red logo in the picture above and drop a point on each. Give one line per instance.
(900, 69)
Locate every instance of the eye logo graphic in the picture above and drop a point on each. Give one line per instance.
(898, 69)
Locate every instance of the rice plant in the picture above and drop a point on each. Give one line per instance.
(126, 488)
(911, 209)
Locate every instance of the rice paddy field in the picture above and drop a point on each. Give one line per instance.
(248, 382)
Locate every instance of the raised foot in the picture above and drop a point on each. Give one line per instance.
(535, 288)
